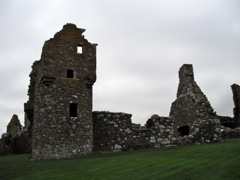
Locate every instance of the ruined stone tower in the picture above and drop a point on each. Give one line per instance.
(60, 96)
(191, 112)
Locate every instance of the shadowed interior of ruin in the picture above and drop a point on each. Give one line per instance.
(184, 130)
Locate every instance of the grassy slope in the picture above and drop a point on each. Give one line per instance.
(217, 161)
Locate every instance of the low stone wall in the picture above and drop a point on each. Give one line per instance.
(111, 131)
(228, 133)
(21, 144)
(202, 132)
(227, 121)
(5, 144)
(162, 132)
(115, 132)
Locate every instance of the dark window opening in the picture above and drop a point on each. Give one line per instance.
(70, 73)
(73, 110)
(184, 130)
(229, 125)
(79, 49)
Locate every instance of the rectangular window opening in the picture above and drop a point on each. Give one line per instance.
(70, 73)
(79, 49)
(73, 110)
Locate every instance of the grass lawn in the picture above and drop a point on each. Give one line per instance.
(212, 161)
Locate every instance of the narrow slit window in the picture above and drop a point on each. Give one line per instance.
(73, 110)
(79, 49)
(70, 73)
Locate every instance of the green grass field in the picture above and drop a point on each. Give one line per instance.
(212, 161)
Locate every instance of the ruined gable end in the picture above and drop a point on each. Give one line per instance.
(191, 112)
(14, 126)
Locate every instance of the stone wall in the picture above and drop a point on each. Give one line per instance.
(116, 132)
(111, 131)
(21, 144)
(162, 132)
(29, 105)
(230, 126)
(14, 126)
(15, 140)
(5, 144)
(192, 113)
(229, 133)
(236, 100)
(62, 124)
(227, 121)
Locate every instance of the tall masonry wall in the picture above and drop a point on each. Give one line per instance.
(62, 105)
(193, 116)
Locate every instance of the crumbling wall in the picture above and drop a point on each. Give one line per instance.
(192, 113)
(21, 144)
(229, 133)
(62, 124)
(111, 131)
(227, 121)
(15, 140)
(14, 126)
(29, 105)
(5, 144)
(236, 100)
(162, 131)
(230, 126)
(116, 132)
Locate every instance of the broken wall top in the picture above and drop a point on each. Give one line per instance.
(68, 50)
(188, 86)
(191, 103)
(14, 126)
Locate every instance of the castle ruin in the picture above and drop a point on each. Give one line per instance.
(60, 96)
(59, 122)
(191, 111)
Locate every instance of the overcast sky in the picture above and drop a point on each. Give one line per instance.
(141, 46)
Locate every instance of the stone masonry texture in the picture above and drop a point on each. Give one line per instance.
(236, 99)
(192, 113)
(61, 82)
(14, 126)
(116, 132)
